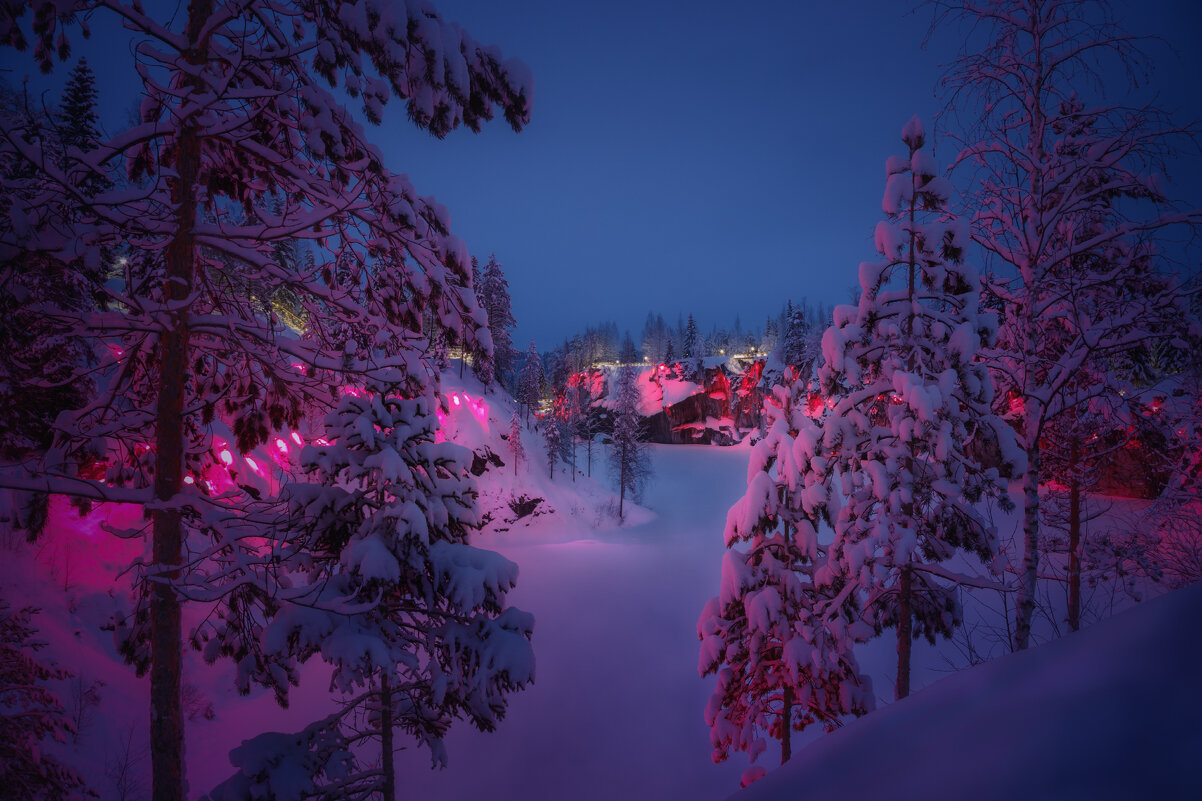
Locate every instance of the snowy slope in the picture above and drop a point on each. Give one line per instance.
(1110, 712)
(616, 708)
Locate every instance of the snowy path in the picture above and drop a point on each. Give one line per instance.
(616, 710)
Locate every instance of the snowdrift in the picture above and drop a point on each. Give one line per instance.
(1108, 713)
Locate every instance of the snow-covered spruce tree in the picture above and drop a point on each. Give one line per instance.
(30, 713)
(796, 347)
(530, 381)
(516, 451)
(1067, 208)
(481, 351)
(780, 634)
(237, 116)
(412, 618)
(40, 360)
(908, 399)
(628, 453)
(492, 291)
(553, 440)
(569, 411)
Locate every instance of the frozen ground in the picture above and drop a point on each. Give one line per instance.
(1110, 712)
(616, 709)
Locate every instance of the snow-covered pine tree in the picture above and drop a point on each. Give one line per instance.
(1068, 206)
(30, 714)
(237, 114)
(516, 451)
(690, 348)
(570, 410)
(907, 398)
(530, 382)
(40, 363)
(780, 634)
(412, 618)
(796, 350)
(481, 350)
(692, 351)
(628, 453)
(78, 125)
(493, 292)
(553, 439)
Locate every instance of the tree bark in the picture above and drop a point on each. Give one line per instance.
(1074, 534)
(166, 630)
(786, 734)
(386, 744)
(905, 632)
(1024, 607)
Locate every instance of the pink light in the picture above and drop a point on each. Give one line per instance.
(283, 446)
(300, 368)
(211, 487)
(297, 438)
(354, 392)
(189, 480)
(226, 457)
(455, 399)
(321, 441)
(252, 464)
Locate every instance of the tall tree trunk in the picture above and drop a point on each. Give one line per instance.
(905, 632)
(166, 630)
(386, 746)
(786, 732)
(1024, 605)
(1074, 534)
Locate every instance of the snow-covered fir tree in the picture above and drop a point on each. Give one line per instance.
(492, 293)
(530, 381)
(1068, 209)
(690, 347)
(31, 714)
(796, 345)
(628, 453)
(41, 360)
(907, 398)
(516, 451)
(241, 144)
(553, 440)
(780, 633)
(412, 618)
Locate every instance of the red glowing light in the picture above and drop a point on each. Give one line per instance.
(226, 457)
(252, 464)
(455, 399)
(321, 441)
(283, 446)
(297, 438)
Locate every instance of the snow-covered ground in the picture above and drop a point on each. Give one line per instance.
(1110, 712)
(616, 708)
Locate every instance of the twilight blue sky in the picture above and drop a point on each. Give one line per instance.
(692, 156)
(705, 157)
